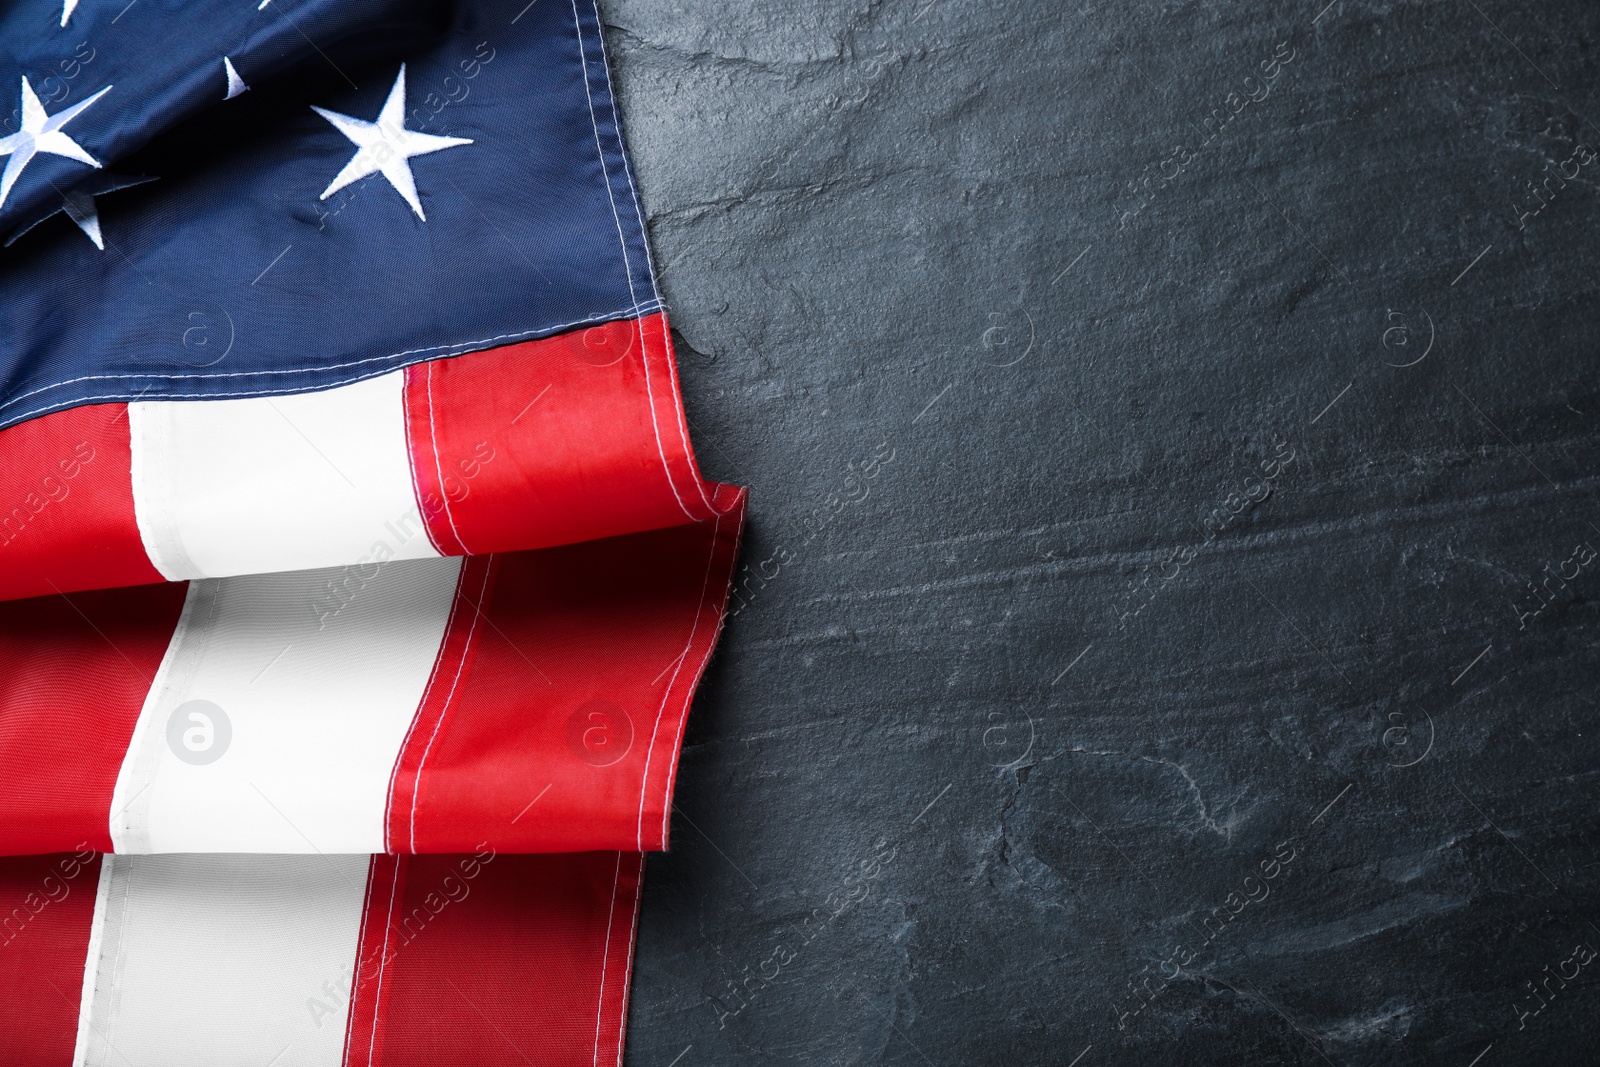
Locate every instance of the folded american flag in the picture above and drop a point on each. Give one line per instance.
(358, 572)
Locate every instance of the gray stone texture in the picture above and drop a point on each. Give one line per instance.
(1166, 633)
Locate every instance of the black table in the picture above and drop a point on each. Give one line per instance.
(1168, 624)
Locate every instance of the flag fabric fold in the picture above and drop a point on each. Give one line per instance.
(356, 570)
(238, 271)
(321, 961)
(531, 700)
(572, 438)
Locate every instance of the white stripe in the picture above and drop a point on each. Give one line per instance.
(214, 961)
(319, 675)
(139, 762)
(91, 962)
(224, 487)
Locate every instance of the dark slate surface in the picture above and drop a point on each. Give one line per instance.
(1150, 490)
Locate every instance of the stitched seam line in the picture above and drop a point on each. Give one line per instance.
(627, 974)
(412, 444)
(683, 720)
(622, 243)
(361, 940)
(444, 643)
(461, 664)
(649, 752)
(676, 393)
(462, 347)
(605, 959)
(650, 270)
(383, 961)
(438, 467)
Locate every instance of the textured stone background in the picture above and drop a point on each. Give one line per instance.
(1106, 551)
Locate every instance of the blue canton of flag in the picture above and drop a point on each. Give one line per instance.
(323, 190)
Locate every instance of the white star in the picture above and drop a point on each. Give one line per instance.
(236, 84)
(78, 204)
(66, 10)
(80, 209)
(385, 146)
(41, 133)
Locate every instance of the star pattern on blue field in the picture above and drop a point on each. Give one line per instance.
(386, 146)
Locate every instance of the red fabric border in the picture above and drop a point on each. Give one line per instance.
(450, 667)
(583, 674)
(454, 946)
(74, 673)
(46, 912)
(552, 442)
(66, 505)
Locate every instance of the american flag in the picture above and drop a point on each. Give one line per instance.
(357, 570)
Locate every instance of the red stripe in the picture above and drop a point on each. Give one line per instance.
(427, 470)
(552, 720)
(672, 423)
(66, 505)
(46, 911)
(74, 672)
(661, 767)
(552, 442)
(495, 959)
(563, 732)
(611, 1006)
(463, 960)
(374, 948)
